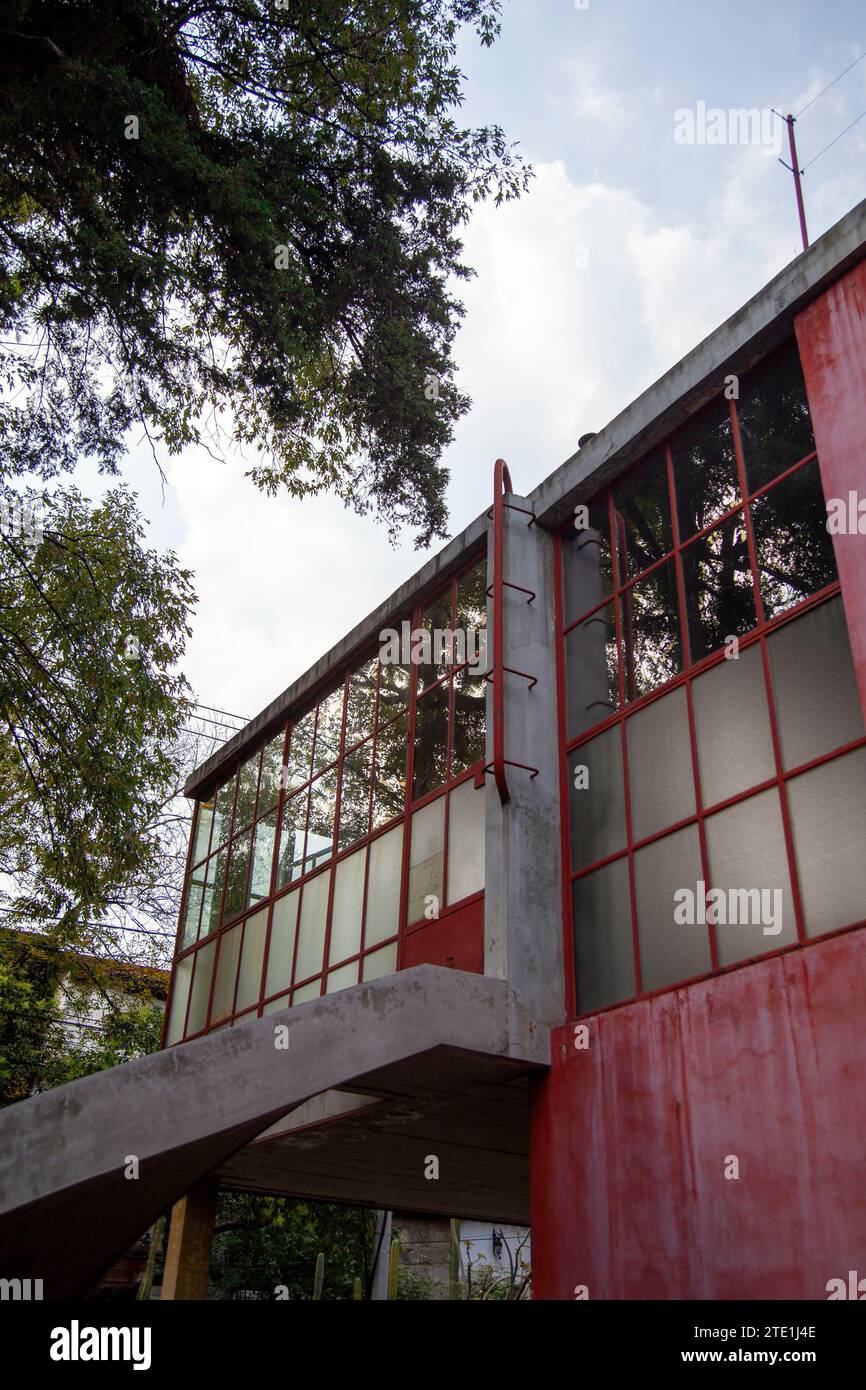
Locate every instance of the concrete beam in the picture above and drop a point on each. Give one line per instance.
(66, 1155)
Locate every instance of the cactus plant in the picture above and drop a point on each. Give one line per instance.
(393, 1266)
(357, 1292)
(320, 1275)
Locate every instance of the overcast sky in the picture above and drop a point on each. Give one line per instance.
(628, 249)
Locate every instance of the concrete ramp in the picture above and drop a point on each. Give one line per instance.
(68, 1208)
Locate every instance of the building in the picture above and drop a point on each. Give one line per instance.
(580, 944)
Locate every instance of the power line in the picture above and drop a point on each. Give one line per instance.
(107, 926)
(828, 86)
(833, 142)
(226, 712)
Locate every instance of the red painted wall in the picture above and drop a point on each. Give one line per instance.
(831, 335)
(455, 939)
(630, 1138)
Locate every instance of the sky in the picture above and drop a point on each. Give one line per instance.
(629, 248)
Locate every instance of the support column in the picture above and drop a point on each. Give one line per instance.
(187, 1259)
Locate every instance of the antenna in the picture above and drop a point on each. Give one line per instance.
(795, 169)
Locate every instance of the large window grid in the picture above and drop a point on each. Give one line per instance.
(385, 761)
(772, 498)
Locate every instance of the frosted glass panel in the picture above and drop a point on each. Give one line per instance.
(179, 997)
(746, 849)
(670, 951)
(282, 943)
(383, 887)
(660, 765)
(277, 1005)
(379, 963)
(465, 841)
(828, 809)
(598, 800)
(227, 969)
(344, 978)
(426, 858)
(311, 930)
(348, 905)
(814, 684)
(603, 942)
(310, 991)
(735, 747)
(252, 956)
(200, 987)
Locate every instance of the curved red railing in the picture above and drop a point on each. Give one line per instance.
(502, 485)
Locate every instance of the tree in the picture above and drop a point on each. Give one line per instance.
(92, 627)
(241, 208)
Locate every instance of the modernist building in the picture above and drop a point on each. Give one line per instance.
(588, 929)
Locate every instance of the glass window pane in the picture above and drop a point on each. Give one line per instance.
(343, 978)
(434, 655)
(389, 790)
(309, 991)
(201, 980)
(301, 751)
(587, 571)
(670, 950)
(276, 1006)
(717, 579)
(203, 824)
(347, 908)
(652, 650)
(597, 799)
(180, 979)
(773, 414)
(705, 469)
(794, 548)
(381, 962)
(468, 737)
(252, 957)
(328, 730)
(393, 686)
(281, 947)
(311, 929)
(591, 671)
(642, 516)
(431, 741)
(291, 860)
(735, 746)
(227, 969)
(263, 858)
(472, 609)
(661, 781)
(361, 706)
(236, 883)
(828, 810)
(248, 781)
(383, 886)
(814, 685)
(320, 834)
(223, 812)
(269, 778)
(355, 794)
(748, 863)
(194, 894)
(213, 893)
(465, 841)
(426, 858)
(603, 941)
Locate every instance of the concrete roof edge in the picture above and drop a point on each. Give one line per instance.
(413, 589)
(755, 329)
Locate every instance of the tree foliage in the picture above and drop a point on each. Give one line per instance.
(239, 220)
(92, 626)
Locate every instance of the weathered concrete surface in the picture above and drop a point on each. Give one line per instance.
(523, 856)
(67, 1210)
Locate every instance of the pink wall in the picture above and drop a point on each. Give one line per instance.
(630, 1138)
